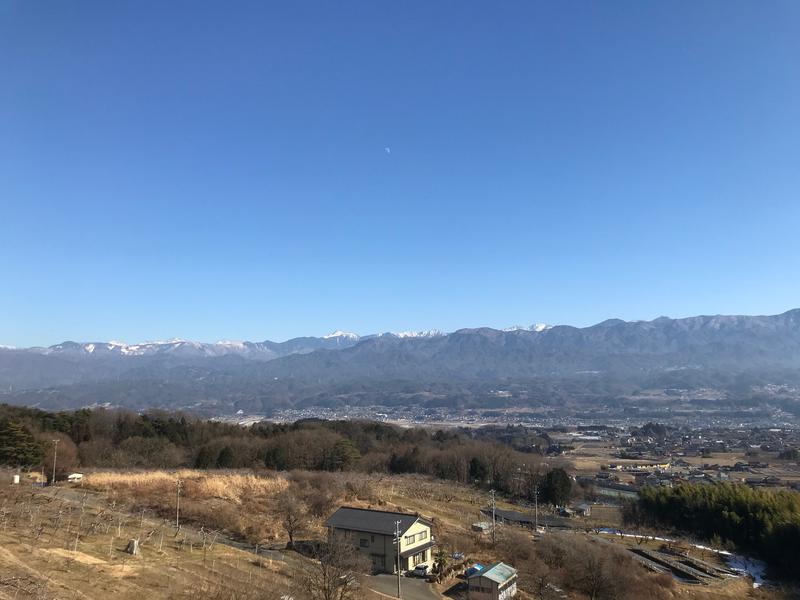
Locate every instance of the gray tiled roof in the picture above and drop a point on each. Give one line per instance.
(373, 521)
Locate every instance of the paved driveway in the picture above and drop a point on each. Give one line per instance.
(412, 589)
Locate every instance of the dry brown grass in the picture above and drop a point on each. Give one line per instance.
(235, 502)
(240, 504)
(225, 485)
(52, 547)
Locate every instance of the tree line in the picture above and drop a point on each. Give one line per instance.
(765, 523)
(507, 459)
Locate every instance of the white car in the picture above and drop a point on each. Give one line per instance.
(418, 571)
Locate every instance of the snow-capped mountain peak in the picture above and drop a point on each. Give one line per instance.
(230, 344)
(417, 334)
(341, 334)
(536, 327)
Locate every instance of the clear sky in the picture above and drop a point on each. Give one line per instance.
(262, 170)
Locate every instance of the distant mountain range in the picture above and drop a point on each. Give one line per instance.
(612, 357)
(265, 350)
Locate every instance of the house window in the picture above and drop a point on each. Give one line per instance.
(418, 558)
(372, 538)
(364, 543)
(416, 537)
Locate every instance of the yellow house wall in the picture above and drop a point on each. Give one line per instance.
(417, 527)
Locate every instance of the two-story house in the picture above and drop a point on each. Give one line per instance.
(373, 533)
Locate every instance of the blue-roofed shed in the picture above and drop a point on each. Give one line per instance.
(477, 567)
(496, 582)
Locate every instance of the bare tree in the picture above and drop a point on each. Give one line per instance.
(293, 515)
(540, 577)
(592, 575)
(61, 452)
(336, 577)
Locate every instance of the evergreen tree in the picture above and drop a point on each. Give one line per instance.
(226, 458)
(764, 522)
(343, 455)
(204, 459)
(441, 560)
(556, 487)
(477, 470)
(18, 448)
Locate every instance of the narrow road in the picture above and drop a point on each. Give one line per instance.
(412, 589)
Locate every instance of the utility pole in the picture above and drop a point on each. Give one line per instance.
(55, 455)
(397, 543)
(494, 534)
(536, 504)
(178, 484)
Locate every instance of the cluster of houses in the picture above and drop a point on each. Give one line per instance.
(688, 442)
(658, 455)
(376, 533)
(626, 480)
(651, 441)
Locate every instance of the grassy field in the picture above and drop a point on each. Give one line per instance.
(725, 459)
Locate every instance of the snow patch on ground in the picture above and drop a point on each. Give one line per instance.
(745, 565)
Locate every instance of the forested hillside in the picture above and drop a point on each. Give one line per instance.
(765, 523)
(507, 459)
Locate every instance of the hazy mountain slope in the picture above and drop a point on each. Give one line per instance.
(619, 347)
(609, 358)
(74, 362)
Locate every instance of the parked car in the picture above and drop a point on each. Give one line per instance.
(418, 571)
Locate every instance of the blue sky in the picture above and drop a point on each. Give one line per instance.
(218, 170)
